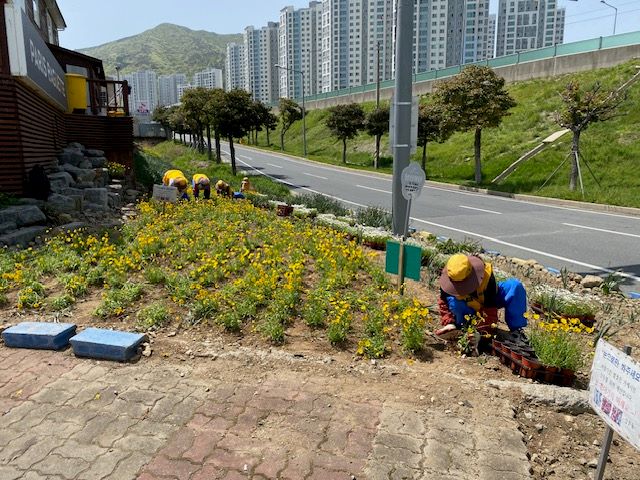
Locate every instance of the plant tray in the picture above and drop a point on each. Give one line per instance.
(587, 320)
(39, 335)
(107, 344)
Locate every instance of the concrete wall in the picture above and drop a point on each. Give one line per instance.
(549, 67)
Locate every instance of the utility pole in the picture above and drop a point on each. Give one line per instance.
(378, 77)
(402, 110)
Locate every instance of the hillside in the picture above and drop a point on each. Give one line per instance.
(612, 149)
(165, 49)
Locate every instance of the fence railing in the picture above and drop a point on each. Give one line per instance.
(583, 46)
(109, 97)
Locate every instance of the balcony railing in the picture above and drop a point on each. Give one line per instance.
(108, 97)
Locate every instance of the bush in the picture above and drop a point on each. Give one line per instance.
(556, 348)
(149, 169)
(116, 170)
(154, 315)
(61, 302)
(374, 217)
(322, 203)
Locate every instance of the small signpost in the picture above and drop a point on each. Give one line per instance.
(415, 111)
(614, 394)
(412, 179)
(163, 193)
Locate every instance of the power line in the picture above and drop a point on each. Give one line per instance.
(602, 16)
(597, 9)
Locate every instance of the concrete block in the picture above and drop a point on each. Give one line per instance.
(46, 336)
(107, 344)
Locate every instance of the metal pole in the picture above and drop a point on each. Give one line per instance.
(606, 443)
(401, 272)
(402, 110)
(304, 120)
(378, 77)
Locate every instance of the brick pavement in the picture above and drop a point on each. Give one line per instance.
(74, 419)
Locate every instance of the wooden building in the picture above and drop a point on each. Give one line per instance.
(50, 96)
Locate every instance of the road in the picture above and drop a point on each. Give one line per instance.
(583, 241)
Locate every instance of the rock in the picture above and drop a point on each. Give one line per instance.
(59, 181)
(89, 152)
(87, 176)
(85, 164)
(98, 162)
(23, 215)
(518, 261)
(22, 237)
(71, 191)
(563, 399)
(593, 463)
(132, 193)
(74, 170)
(115, 201)
(62, 203)
(71, 156)
(528, 415)
(76, 146)
(146, 350)
(97, 196)
(539, 427)
(591, 281)
(95, 207)
(7, 227)
(31, 201)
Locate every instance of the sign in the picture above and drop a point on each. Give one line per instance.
(412, 180)
(165, 194)
(414, 125)
(412, 260)
(614, 391)
(30, 57)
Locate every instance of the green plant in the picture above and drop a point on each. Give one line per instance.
(75, 285)
(154, 315)
(4, 301)
(155, 275)
(374, 217)
(611, 283)
(315, 309)
(62, 302)
(116, 170)
(115, 300)
(450, 247)
(556, 348)
(31, 296)
(374, 342)
(322, 204)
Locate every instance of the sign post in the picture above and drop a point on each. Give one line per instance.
(614, 394)
(165, 194)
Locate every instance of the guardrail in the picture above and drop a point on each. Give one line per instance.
(584, 46)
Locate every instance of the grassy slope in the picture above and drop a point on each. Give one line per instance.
(612, 148)
(166, 49)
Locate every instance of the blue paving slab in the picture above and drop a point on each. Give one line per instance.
(634, 295)
(40, 335)
(555, 271)
(106, 344)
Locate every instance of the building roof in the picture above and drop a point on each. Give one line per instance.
(56, 14)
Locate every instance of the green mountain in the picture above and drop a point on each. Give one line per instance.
(166, 49)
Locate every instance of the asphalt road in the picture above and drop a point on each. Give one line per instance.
(583, 241)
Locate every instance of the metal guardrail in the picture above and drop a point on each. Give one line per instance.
(583, 46)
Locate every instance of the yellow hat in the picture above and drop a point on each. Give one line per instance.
(462, 274)
(220, 184)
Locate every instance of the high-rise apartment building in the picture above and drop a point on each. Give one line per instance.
(380, 28)
(491, 36)
(528, 24)
(299, 46)
(261, 47)
(210, 78)
(143, 99)
(168, 88)
(183, 88)
(236, 67)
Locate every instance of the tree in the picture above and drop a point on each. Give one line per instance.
(580, 109)
(270, 123)
(177, 121)
(161, 115)
(259, 118)
(345, 121)
(290, 112)
(215, 101)
(235, 119)
(377, 124)
(432, 127)
(193, 102)
(475, 99)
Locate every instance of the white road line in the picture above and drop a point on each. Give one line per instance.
(461, 192)
(532, 250)
(480, 209)
(602, 230)
(315, 176)
(245, 157)
(374, 189)
(276, 166)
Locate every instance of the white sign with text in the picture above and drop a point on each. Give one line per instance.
(165, 194)
(614, 391)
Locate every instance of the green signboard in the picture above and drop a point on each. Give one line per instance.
(412, 260)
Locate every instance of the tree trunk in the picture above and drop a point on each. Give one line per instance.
(376, 163)
(344, 150)
(209, 152)
(478, 142)
(282, 140)
(575, 154)
(268, 141)
(424, 157)
(232, 151)
(217, 140)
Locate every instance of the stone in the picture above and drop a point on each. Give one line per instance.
(85, 164)
(31, 201)
(61, 203)
(86, 176)
(71, 191)
(98, 196)
(591, 281)
(6, 227)
(132, 193)
(593, 463)
(71, 156)
(96, 207)
(23, 215)
(563, 399)
(76, 146)
(74, 170)
(22, 237)
(115, 201)
(89, 152)
(98, 162)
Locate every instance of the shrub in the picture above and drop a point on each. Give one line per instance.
(450, 247)
(155, 275)
(116, 170)
(153, 316)
(322, 204)
(374, 217)
(556, 348)
(62, 301)
(31, 296)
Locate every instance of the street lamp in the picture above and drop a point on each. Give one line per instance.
(304, 124)
(615, 18)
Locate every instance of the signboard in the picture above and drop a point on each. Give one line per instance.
(165, 194)
(614, 391)
(414, 125)
(412, 180)
(30, 57)
(412, 260)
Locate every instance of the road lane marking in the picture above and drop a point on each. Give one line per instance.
(276, 166)
(315, 176)
(374, 189)
(602, 230)
(313, 164)
(245, 157)
(480, 209)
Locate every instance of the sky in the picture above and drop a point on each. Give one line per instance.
(94, 22)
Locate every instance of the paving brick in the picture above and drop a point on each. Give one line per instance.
(406, 442)
(271, 464)
(203, 445)
(103, 466)
(128, 468)
(231, 460)
(71, 449)
(37, 451)
(338, 463)
(299, 466)
(324, 474)
(209, 472)
(62, 466)
(164, 466)
(179, 443)
(137, 443)
(10, 473)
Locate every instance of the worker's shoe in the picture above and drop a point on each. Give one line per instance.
(518, 337)
(448, 332)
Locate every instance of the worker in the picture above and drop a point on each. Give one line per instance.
(469, 288)
(246, 186)
(201, 183)
(175, 178)
(224, 189)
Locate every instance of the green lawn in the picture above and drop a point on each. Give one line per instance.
(611, 148)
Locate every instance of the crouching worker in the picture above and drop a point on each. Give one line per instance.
(224, 189)
(201, 183)
(469, 288)
(175, 178)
